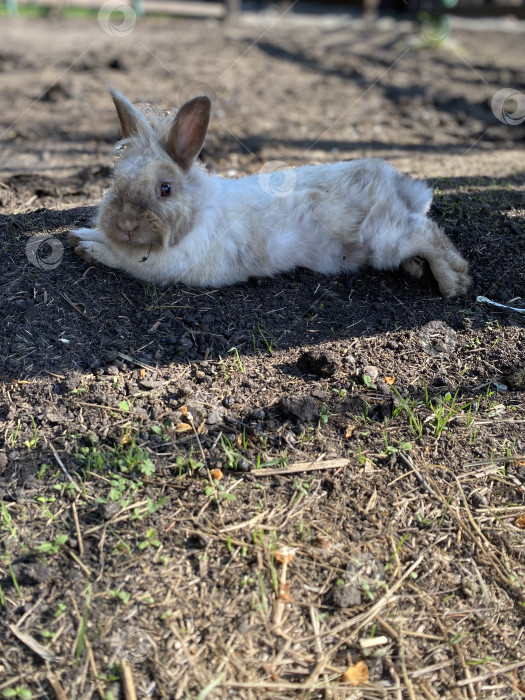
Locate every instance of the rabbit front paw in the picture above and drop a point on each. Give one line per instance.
(84, 234)
(90, 245)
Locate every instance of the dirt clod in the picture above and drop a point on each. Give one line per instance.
(31, 572)
(516, 380)
(301, 409)
(318, 362)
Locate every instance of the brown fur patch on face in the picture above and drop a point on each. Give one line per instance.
(179, 223)
(147, 232)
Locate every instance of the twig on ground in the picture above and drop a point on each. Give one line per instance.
(491, 674)
(395, 677)
(410, 462)
(61, 465)
(57, 688)
(137, 362)
(315, 625)
(406, 678)
(303, 467)
(75, 306)
(393, 633)
(492, 460)
(77, 528)
(126, 676)
(78, 561)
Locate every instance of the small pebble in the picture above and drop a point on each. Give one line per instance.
(372, 372)
(516, 380)
(347, 595)
(243, 465)
(108, 510)
(184, 388)
(214, 417)
(349, 359)
(478, 501)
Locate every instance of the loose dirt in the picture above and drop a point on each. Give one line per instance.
(245, 492)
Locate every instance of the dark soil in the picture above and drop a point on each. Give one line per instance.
(160, 448)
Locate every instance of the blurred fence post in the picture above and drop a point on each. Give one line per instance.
(232, 8)
(11, 7)
(138, 6)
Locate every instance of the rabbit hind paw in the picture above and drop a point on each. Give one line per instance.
(451, 273)
(414, 266)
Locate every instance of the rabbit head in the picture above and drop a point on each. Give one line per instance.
(150, 204)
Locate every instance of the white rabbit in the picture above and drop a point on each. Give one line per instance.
(166, 219)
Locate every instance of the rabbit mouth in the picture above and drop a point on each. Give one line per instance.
(144, 232)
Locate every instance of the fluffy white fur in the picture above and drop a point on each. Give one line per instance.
(334, 217)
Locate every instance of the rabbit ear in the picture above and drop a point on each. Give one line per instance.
(186, 135)
(132, 122)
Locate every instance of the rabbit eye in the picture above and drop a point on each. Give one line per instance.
(165, 189)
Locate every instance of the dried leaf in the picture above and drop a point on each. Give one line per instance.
(272, 673)
(31, 642)
(185, 413)
(369, 466)
(390, 380)
(323, 542)
(349, 430)
(520, 522)
(284, 555)
(355, 675)
(216, 474)
(182, 427)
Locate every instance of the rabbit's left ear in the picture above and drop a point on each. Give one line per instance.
(187, 133)
(132, 122)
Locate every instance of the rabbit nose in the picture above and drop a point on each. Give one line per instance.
(127, 225)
